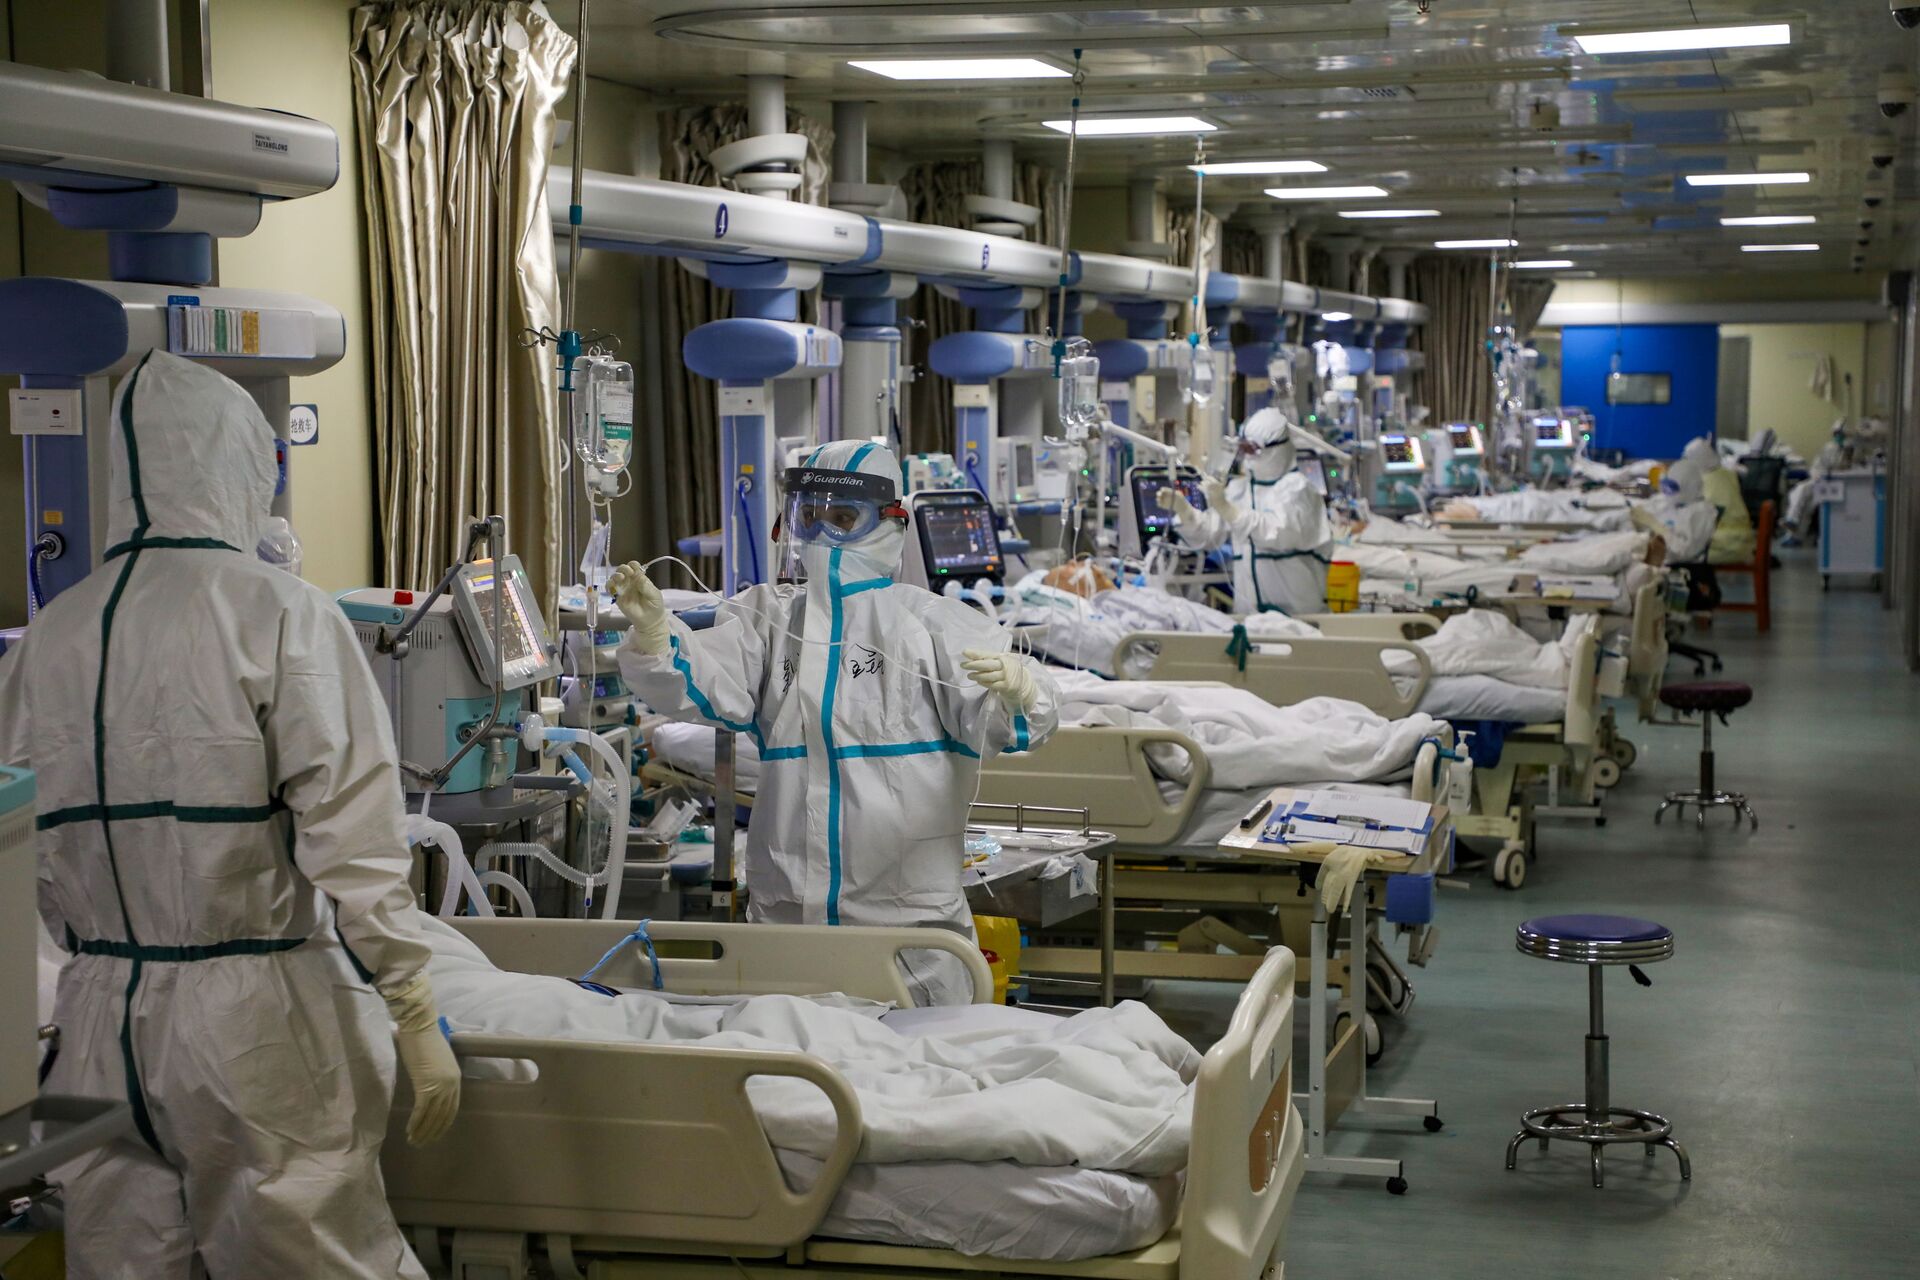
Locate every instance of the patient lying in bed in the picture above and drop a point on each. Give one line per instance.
(987, 1130)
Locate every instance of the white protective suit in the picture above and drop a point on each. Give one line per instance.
(867, 767)
(220, 822)
(1282, 539)
(1680, 513)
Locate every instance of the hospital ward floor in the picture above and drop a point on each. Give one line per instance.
(1781, 1039)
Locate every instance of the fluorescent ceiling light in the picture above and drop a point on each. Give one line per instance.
(1676, 38)
(1218, 167)
(1544, 264)
(1132, 126)
(1769, 220)
(1389, 213)
(1476, 244)
(1747, 179)
(1326, 193)
(1779, 248)
(1335, 317)
(963, 69)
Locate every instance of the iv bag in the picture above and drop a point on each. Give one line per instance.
(1197, 376)
(1080, 406)
(603, 413)
(1280, 373)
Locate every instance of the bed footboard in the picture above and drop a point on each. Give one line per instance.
(1103, 769)
(702, 958)
(1284, 672)
(1374, 626)
(1248, 1140)
(649, 1142)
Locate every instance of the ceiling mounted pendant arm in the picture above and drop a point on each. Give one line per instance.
(1066, 220)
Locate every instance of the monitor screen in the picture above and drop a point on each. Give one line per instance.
(1464, 438)
(1552, 431)
(1399, 451)
(1147, 484)
(487, 596)
(957, 537)
(1314, 470)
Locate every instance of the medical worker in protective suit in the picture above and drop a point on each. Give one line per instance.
(222, 855)
(1273, 516)
(872, 704)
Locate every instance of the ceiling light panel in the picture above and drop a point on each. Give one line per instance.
(1221, 168)
(1543, 264)
(1476, 244)
(1326, 193)
(1747, 179)
(963, 69)
(1679, 39)
(1389, 213)
(1131, 126)
(1779, 248)
(1770, 220)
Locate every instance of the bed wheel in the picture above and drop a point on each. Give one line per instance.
(1396, 1186)
(1510, 867)
(1387, 991)
(1434, 1123)
(1624, 753)
(1375, 1045)
(1606, 772)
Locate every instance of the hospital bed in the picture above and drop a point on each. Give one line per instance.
(647, 1161)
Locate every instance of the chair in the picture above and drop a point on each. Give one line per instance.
(1597, 941)
(1761, 567)
(1762, 480)
(1709, 698)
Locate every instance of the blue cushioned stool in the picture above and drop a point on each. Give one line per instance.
(1597, 941)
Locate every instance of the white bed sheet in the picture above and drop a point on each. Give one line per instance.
(1477, 697)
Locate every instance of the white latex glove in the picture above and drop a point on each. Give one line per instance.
(428, 1061)
(1340, 875)
(644, 606)
(1216, 491)
(1175, 500)
(1004, 673)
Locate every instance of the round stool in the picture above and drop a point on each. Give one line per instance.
(1597, 941)
(1707, 698)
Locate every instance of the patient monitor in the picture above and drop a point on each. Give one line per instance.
(1553, 447)
(953, 540)
(1142, 518)
(1402, 472)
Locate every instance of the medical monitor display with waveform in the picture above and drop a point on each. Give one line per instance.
(957, 536)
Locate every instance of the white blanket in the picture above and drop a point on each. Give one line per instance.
(1485, 642)
(1552, 506)
(1248, 741)
(1073, 631)
(1104, 1089)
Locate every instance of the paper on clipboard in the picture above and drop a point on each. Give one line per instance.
(1391, 811)
(1408, 843)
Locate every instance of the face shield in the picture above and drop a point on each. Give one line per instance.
(836, 507)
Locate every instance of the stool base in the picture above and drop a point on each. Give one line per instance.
(1705, 800)
(1570, 1123)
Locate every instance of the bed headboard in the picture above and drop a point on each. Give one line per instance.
(1284, 672)
(1103, 769)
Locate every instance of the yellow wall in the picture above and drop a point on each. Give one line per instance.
(1757, 286)
(1783, 361)
(291, 55)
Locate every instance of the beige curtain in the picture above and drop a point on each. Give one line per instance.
(1458, 382)
(692, 443)
(455, 105)
(935, 194)
(1528, 299)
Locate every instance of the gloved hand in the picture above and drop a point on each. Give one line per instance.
(1340, 875)
(428, 1060)
(644, 606)
(1216, 491)
(1175, 500)
(1004, 673)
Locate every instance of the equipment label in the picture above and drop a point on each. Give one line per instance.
(743, 402)
(271, 145)
(50, 411)
(303, 423)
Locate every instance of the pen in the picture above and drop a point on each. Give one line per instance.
(1259, 812)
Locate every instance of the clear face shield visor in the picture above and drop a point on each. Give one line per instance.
(836, 507)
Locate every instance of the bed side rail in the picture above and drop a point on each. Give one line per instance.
(1647, 647)
(655, 1142)
(1103, 769)
(707, 958)
(1248, 1141)
(1581, 722)
(1284, 672)
(1374, 626)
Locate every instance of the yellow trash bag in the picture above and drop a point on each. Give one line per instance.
(1000, 943)
(1343, 586)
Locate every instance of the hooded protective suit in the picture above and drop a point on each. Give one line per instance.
(867, 768)
(1733, 535)
(220, 821)
(1276, 520)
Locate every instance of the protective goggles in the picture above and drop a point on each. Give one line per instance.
(837, 506)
